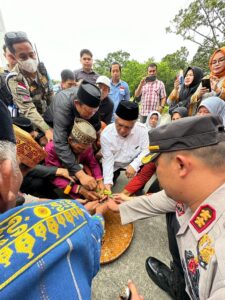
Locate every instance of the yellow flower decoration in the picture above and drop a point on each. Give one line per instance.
(42, 211)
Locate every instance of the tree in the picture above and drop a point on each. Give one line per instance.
(132, 73)
(102, 66)
(203, 23)
(177, 60)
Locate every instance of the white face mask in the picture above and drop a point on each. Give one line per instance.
(30, 65)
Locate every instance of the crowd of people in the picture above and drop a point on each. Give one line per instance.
(72, 142)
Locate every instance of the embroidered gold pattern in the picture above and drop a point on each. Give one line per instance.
(20, 234)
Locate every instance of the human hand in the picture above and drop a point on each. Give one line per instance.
(130, 172)
(159, 109)
(100, 186)
(49, 134)
(213, 82)
(176, 84)
(113, 205)
(87, 181)
(89, 195)
(131, 290)
(91, 206)
(62, 172)
(108, 187)
(102, 208)
(142, 82)
(121, 197)
(202, 91)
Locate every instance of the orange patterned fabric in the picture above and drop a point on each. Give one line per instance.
(222, 49)
(29, 152)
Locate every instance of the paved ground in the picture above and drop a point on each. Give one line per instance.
(150, 239)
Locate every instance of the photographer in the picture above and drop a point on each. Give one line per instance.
(212, 84)
(152, 92)
(181, 94)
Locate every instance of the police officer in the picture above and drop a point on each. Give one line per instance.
(28, 81)
(190, 161)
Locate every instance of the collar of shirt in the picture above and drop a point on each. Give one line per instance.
(116, 84)
(205, 216)
(91, 71)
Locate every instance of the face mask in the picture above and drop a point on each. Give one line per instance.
(30, 65)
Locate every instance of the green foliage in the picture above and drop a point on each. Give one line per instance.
(102, 66)
(133, 73)
(203, 20)
(202, 56)
(167, 75)
(177, 60)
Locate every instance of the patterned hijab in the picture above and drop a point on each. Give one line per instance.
(221, 74)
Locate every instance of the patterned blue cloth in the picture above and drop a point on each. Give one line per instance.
(49, 250)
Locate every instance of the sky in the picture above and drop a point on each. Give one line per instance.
(60, 29)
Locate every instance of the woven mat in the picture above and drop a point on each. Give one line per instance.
(117, 237)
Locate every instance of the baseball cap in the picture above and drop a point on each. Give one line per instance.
(103, 79)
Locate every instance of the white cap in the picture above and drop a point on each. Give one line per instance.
(103, 79)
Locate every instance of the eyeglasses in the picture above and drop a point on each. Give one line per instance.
(215, 61)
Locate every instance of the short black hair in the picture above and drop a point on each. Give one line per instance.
(67, 75)
(10, 42)
(4, 48)
(85, 51)
(115, 63)
(152, 65)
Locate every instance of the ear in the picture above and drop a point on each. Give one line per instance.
(183, 164)
(12, 56)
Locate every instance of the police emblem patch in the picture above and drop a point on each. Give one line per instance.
(204, 216)
(205, 250)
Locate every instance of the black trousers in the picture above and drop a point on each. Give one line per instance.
(172, 229)
(179, 281)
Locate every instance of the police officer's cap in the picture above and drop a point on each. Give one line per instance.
(185, 134)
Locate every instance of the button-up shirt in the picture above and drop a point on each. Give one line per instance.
(151, 94)
(90, 76)
(119, 152)
(118, 92)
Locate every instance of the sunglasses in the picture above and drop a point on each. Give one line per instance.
(15, 34)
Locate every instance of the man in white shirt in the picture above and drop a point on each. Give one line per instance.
(123, 143)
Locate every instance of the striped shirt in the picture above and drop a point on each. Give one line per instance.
(152, 93)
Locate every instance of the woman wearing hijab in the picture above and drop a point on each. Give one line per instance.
(181, 96)
(217, 79)
(178, 113)
(212, 105)
(153, 120)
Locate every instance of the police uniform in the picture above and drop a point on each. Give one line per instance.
(201, 236)
(31, 96)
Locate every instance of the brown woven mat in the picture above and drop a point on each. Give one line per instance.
(117, 237)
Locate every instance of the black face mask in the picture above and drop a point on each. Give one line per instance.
(150, 78)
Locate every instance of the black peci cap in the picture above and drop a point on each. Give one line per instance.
(23, 123)
(127, 110)
(89, 94)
